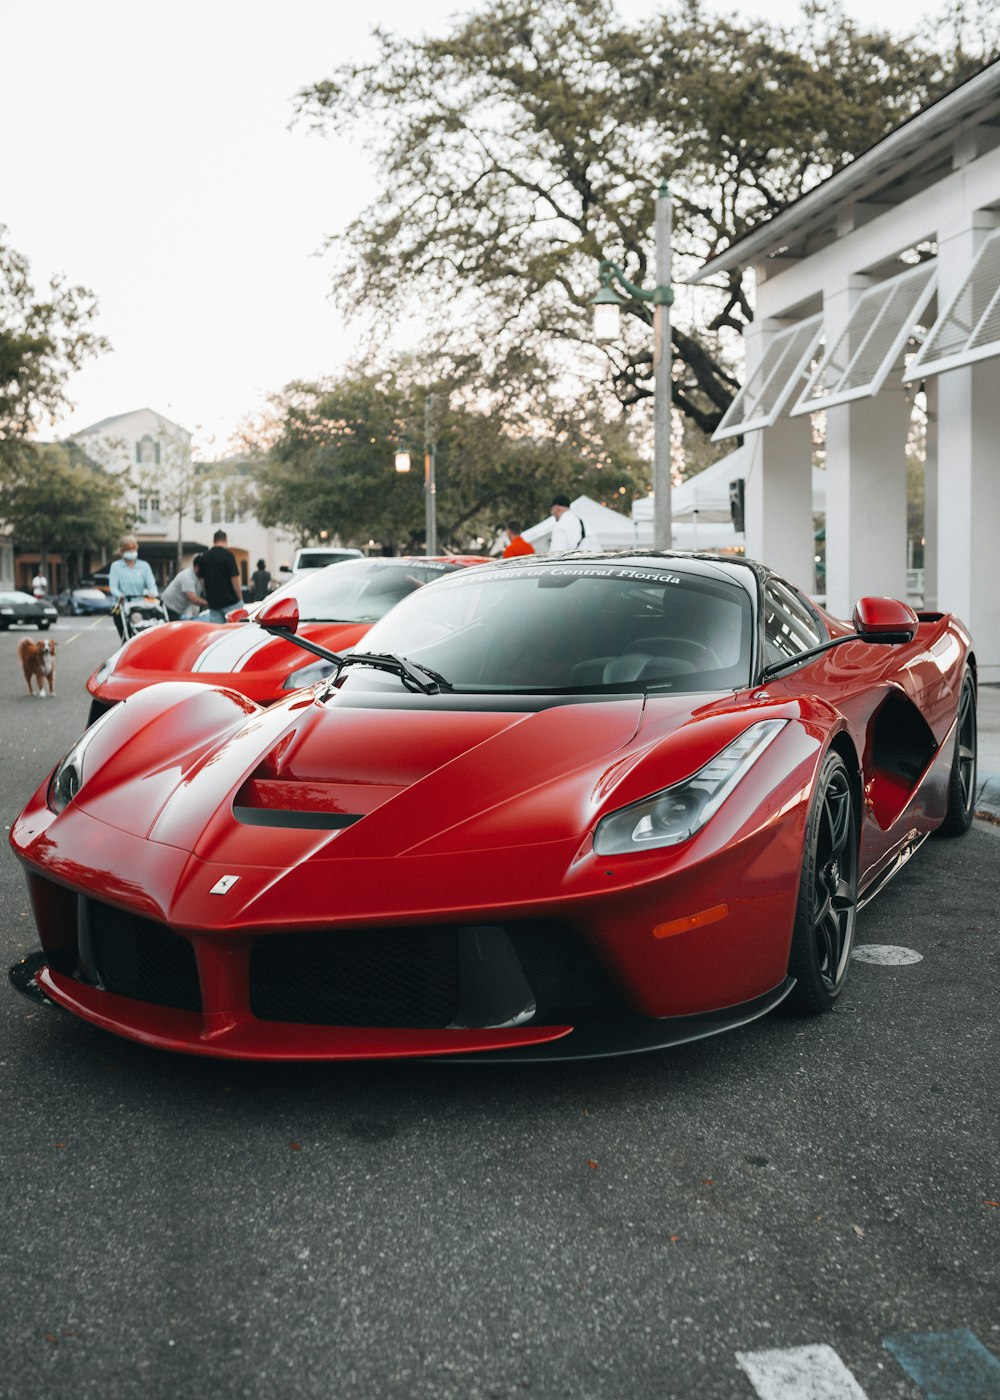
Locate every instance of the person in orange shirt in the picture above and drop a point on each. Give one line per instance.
(517, 544)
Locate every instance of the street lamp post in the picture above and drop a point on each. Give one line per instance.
(403, 462)
(430, 486)
(607, 306)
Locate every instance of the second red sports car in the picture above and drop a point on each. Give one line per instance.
(337, 606)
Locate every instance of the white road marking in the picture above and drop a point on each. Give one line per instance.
(886, 955)
(799, 1373)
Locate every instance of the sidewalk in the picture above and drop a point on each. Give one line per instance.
(988, 779)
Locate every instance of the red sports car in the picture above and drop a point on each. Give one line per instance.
(337, 605)
(556, 807)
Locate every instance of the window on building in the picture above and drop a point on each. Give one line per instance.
(872, 342)
(968, 327)
(147, 452)
(149, 510)
(768, 387)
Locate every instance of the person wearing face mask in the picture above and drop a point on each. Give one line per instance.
(130, 577)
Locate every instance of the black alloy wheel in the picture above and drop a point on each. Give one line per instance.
(823, 934)
(962, 782)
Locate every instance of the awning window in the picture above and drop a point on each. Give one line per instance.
(769, 387)
(968, 328)
(872, 342)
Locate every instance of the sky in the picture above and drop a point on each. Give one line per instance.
(149, 155)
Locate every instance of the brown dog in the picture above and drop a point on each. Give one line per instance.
(38, 661)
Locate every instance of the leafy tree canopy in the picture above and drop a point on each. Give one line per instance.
(59, 502)
(330, 461)
(44, 338)
(523, 146)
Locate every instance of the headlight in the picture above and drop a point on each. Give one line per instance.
(308, 675)
(6, 612)
(676, 813)
(71, 773)
(103, 672)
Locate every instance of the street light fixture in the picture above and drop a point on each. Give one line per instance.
(403, 463)
(607, 306)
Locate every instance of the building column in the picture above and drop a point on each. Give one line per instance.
(969, 505)
(866, 498)
(777, 500)
(931, 496)
(968, 477)
(777, 490)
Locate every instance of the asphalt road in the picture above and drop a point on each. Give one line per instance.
(174, 1227)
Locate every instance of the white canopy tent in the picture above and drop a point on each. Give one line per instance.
(701, 515)
(700, 510)
(606, 528)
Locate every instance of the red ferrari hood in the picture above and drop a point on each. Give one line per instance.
(407, 777)
(220, 654)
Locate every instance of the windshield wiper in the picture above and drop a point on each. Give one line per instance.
(413, 677)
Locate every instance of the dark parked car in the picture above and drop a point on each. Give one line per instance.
(20, 609)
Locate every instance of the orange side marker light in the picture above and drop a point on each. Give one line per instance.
(707, 916)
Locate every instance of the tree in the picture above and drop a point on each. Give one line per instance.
(61, 503)
(501, 451)
(523, 146)
(43, 340)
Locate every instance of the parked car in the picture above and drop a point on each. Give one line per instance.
(318, 558)
(99, 579)
(337, 605)
(550, 808)
(19, 609)
(82, 601)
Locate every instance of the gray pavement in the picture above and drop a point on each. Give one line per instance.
(988, 795)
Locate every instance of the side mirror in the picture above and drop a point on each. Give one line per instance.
(238, 615)
(884, 620)
(284, 568)
(279, 615)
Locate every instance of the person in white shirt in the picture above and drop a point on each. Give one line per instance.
(568, 532)
(182, 597)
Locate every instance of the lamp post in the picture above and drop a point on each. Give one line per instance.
(403, 463)
(607, 306)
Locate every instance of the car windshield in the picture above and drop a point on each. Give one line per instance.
(15, 598)
(358, 590)
(592, 626)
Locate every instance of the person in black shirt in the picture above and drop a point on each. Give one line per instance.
(260, 579)
(220, 578)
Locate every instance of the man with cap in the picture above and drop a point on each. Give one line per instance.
(569, 531)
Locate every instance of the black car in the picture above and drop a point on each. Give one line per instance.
(20, 609)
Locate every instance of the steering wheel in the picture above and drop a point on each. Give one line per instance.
(684, 648)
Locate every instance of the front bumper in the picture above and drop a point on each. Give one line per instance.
(242, 1037)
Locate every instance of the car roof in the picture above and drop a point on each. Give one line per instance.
(746, 573)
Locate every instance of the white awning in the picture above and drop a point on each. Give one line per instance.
(968, 328)
(872, 342)
(768, 388)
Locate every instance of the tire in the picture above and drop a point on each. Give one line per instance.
(826, 913)
(962, 782)
(43, 627)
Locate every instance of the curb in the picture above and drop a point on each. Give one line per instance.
(988, 799)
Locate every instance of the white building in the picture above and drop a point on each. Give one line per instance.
(883, 280)
(174, 497)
